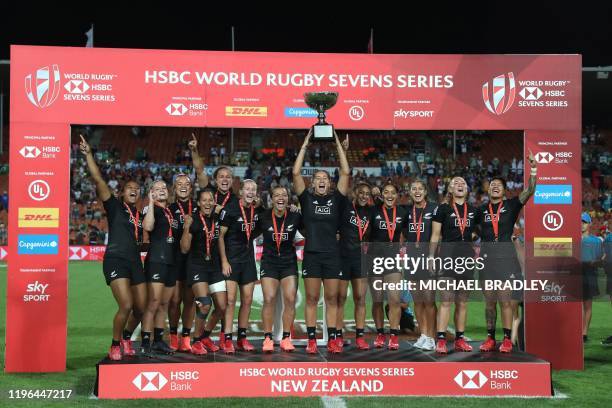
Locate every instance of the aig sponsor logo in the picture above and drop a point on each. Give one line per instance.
(322, 209)
(38, 217)
(253, 111)
(416, 227)
(42, 87)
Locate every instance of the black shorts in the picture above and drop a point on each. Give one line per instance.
(500, 268)
(277, 270)
(117, 268)
(243, 272)
(160, 273)
(181, 266)
(590, 289)
(321, 265)
(197, 273)
(351, 267)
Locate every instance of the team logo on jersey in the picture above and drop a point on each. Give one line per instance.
(416, 227)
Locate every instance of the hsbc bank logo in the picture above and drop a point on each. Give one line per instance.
(33, 152)
(498, 95)
(176, 109)
(356, 113)
(42, 87)
(471, 379)
(544, 157)
(77, 253)
(531, 93)
(150, 381)
(557, 157)
(76, 86)
(30, 152)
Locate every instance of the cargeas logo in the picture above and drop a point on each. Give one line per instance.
(499, 96)
(471, 379)
(43, 89)
(150, 381)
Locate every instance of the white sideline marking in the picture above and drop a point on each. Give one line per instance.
(333, 402)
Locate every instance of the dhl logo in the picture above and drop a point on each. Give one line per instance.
(38, 217)
(552, 247)
(260, 111)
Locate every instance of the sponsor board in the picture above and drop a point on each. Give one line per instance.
(552, 247)
(553, 194)
(37, 244)
(38, 217)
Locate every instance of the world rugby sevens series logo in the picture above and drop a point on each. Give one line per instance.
(501, 98)
(46, 83)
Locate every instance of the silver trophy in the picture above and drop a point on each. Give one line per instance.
(321, 101)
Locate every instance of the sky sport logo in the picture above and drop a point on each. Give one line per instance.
(499, 95)
(150, 381)
(42, 89)
(471, 379)
(253, 111)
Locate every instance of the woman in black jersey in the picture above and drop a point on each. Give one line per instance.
(321, 214)
(453, 224)
(387, 223)
(239, 226)
(354, 229)
(417, 233)
(122, 265)
(279, 266)
(160, 269)
(200, 241)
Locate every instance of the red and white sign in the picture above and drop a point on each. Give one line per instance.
(304, 379)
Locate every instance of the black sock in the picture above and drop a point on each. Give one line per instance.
(441, 335)
(395, 332)
(146, 338)
(491, 333)
(241, 333)
(205, 334)
(115, 343)
(268, 334)
(458, 335)
(381, 330)
(331, 333)
(158, 334)
(338, 333)
(173, 330)
(127, 335)
(507, 333)
(228, 336)
(286, 335)
(312, 333)
(186, 332)
(359, 332)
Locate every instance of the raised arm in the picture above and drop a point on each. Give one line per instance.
(148, 222)
(530, 188)
(102, 188)
(345, 170)
(298, 181)
(198, 163)
(186, 237)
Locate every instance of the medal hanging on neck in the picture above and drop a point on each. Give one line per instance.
(495, 219)
(208, 235)
(390, 226)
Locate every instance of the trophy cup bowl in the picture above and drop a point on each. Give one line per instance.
(321, 101)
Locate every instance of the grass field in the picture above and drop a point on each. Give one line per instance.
(90, 312)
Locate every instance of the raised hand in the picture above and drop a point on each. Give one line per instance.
(84, 146)
(193, 143)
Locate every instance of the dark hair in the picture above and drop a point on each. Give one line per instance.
(218, 169)
(322, 171)
(389, 183)
(277, 187)
(421, 182)
(206, 190)
(126, 182)
(362, 184)
(500, 179)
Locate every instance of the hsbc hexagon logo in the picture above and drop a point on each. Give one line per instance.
(76, 86)
(30, 152)
(471, 379)
(42, 87)
(77, 253)
(531, 93)
(498, 95)
(544, 157)
(150, 381)
(176, 109)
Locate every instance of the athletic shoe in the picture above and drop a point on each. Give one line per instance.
(506, 346)
(393, 342)
(462, 345)
(115, 353)
(441, 346)
(380, 341)
(419, 343)
(311, 348)
(127, 348)
(185, 344)
(145, 350)
(488, 345)
(268, 345)
(198, 348)
(209, 344)
(161, 347)
(244, 345)
(286, 344)
(607, 341)
(429, 344)
(332, 346)
(228, 346)
(340, 344)
(221, 342)
(361, 344)
(174, 342)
